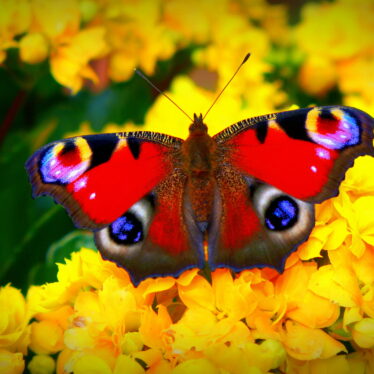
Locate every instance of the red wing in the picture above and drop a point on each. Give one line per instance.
(304, 153)
(99, 177)
(128, 189)
(268, 166)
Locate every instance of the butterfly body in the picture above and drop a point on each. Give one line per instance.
(199, 152)
(152, 199)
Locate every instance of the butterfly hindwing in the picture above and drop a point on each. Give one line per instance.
(280, 165)
(157, 236)
(259, 225)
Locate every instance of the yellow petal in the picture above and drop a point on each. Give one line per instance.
(91, 364)
(198, 293)
(63, 360)
(78, 338)
(317, 75)
(42, 364)
(327, 282)
(363, 333)
(15, 17)
(310, 249)
(13, 318)
(150, 356)
(46, 337)
(232, 358)
(336, 364)
(356, 363)
(11, 363)
(324, 211)
(364, 207)
(156, 285)
(351, 315)
(115, 302)
(154, 326)
(231, 299)
(161, 367)
(56, 18)
(69, 64)
(304, 343)
(33, 48)
(87, 305)
(128, 365)
(121, 66)
(339, 232)
(186, 277)
(60, 316)
(197, 366)
(314, 311)
(131, 342)
(357, 179)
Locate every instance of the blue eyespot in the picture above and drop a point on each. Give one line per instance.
(281, 214)
(62, 163)
(127, 230)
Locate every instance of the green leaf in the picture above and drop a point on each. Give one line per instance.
(57, 253)
(72, 242)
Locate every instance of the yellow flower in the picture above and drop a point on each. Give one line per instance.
(11, 363)
(342, 32)
(192, 19)
(14, 332)
(46, 337)
(293, 285)
(41, 364)
(69, 63)
(197, 366)
(355, 76)
(338, 30)
(363, 333)
(304, 343)
(57, 20)
(33, 48)
(91, 364)
(317, 76)
(15, 19)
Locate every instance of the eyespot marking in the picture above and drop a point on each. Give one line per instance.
(62, 163)
(334, 129)
(127, 229)
(281, 214)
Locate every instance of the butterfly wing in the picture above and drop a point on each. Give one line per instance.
(282, 164)
(126, 187)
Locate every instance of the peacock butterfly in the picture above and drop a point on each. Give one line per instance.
(152, 199)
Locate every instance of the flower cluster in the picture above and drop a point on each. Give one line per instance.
(338, 44)
(309, 318)
(100, 40)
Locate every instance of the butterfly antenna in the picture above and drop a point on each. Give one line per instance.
(223, 89)
(162, 93)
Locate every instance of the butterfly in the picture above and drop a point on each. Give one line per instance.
(152, 200)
